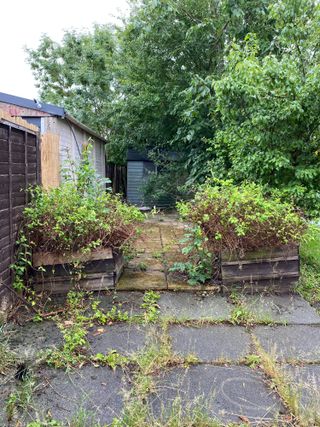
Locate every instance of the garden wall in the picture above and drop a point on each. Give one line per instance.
(19, 167)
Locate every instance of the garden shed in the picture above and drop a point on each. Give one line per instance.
(62, 136)
(138, 168)
(19, 167)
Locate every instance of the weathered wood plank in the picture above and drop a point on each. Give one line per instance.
(260, 270)
(271, 269)
(58, 285)
(50, 258)
(58, 278)
(50, 160)
(261, 254)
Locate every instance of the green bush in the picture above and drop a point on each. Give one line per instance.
(79, 215)
(242, 218)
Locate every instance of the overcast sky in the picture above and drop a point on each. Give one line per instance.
(23, 22)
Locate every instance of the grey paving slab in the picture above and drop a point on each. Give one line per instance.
(291, 309)
(225, 393)
(97, 391)
(297, 342)
(212, 342)
(185, 305)
(27, 340)
(125, 338)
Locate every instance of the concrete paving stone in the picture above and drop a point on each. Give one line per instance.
(27, 340)
(97, 391)
(151, 231)
(148, 246)
(295, 342)
(183, 306)
(225, 393)
(148, 262)
(174, 256)
(125, 338)
(291, 309)
(142, 280)
(211, 342)
(306, 382)
(179, 285)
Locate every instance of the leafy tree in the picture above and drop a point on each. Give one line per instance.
(77, 74)
(231, 85)
(164, 47)
(270, 111)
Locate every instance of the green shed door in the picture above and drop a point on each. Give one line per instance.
(137, 173)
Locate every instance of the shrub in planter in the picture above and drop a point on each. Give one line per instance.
(77, 217)
(237, 221)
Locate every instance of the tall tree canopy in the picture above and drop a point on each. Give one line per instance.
(232, 85)
(78, 74)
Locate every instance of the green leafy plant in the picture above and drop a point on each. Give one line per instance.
(21, 398)
(112, 359)
(150, 306)
(252, 360)
(79, 216)
(242, 218)
(104, 317)
(198, 267)
(73, 351)
(241, 315)
(142, 266)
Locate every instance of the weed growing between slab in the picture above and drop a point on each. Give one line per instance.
(287, 390)
(147, 363)
(150, 306)
(111, 359)
(7, 357)
(73, 326)
(105, 317)
(309, 283)
(19, 402)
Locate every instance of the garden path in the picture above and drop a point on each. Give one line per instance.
(253, 360)
(156, 250)
(217, 364)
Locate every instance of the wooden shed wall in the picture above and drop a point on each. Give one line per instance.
(19, 167)
(70, 139)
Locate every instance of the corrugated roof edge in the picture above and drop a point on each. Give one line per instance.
(54, 110)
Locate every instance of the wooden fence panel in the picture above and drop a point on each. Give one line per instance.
(19, 167)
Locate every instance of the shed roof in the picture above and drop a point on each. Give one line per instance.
(44, 107)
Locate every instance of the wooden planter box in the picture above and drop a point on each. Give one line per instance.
(275, 270)
(101, 270)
